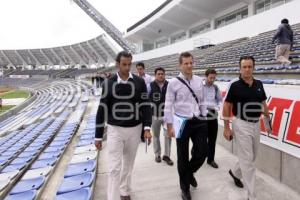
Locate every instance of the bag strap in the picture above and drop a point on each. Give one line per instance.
(191, 90)
(216, 91)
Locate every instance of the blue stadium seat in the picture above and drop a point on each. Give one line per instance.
(90, 155)
(49, 155)
(14, 148)
(4, 184)
(54, 149)
(21, 160)
(82, 194)
(34, 173)
(11, 168)
(43, 163)
(267, 81)
(27, 154)
(73, 183)
(84, 149)
(32, 148)
(3, 161)
(80, 168)
(85, 142)
(28, 195)
(279, 68)
(292, 67)
(87, 137)
(27, 185)
(59, 143)
(9, 153)
(8, 175)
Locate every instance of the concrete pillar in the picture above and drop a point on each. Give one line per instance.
(213, 24)
(169, 40)
(188, 35)
(251, 8)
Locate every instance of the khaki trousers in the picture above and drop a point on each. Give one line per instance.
(122, 144)
(247, 139)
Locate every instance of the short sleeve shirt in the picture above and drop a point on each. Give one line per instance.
(246, 99)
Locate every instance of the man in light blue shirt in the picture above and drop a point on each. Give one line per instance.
(213, 100)
(185, 98)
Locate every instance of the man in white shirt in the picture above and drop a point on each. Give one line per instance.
(185, 98)
(140, 68)
(213, 100)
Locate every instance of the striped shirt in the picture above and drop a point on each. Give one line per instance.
(213, 97)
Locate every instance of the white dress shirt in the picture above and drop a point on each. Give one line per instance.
(179, 99)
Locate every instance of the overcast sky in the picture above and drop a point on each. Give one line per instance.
(49, 23)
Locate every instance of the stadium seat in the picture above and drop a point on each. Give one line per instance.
(80, 168)
(43, 163)
(83, 149)
(84, 157)
(21, 160)
(4, 184)
(59, 143)
(11, 168)
(27, 185)
(8, 175)
(9, 153)
(32, 148)
(85, 142)
(27, 154)
(28, 195)
(73, 183)
(53, 149)
(49, 155)
(267, 81)
(87, 137)
(81, 194)
(34, 173)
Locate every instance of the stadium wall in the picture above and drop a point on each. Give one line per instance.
(279, 152)
(268, 20)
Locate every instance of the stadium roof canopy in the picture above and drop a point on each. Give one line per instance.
(166, 20)
(66, 48)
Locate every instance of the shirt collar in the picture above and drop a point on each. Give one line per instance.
(205, 83)
(183, 77)
(119, 80)
(247, 83)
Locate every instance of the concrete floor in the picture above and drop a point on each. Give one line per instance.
(157, 181)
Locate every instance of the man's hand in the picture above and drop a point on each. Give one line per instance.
(170, 129)
(147, 136)
(98, 144)
(227, 134)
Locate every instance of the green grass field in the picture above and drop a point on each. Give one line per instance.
(5, 108)
(15, 94)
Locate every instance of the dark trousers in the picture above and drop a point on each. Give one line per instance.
(196, 130)
(212, 125)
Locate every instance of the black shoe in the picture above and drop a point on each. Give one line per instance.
(168, 160)
(158, 159)
(186, 195)
(237, 181)
(193, 181)
(213, 164)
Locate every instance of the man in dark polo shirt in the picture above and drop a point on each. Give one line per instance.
(245, 98)
(125, 106)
